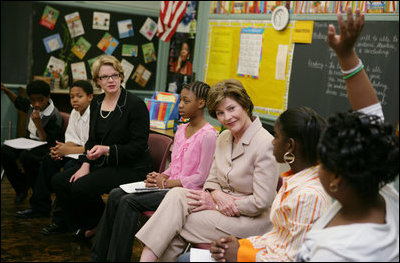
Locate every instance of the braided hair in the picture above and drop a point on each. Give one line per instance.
(362, 149)
(199, 88)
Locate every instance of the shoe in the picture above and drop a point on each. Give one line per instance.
(30, 213)
(20, 198)
(54, 228)
(79, 235)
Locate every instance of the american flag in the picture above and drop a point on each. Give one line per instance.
(171, 13)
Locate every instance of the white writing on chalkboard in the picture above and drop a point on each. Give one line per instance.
(316, 79)
(369, 44)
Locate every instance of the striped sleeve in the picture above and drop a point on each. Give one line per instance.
(310, 205)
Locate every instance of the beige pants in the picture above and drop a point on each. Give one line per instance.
(172, 226)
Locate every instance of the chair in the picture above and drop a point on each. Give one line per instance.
(159, 146)
(65, 116)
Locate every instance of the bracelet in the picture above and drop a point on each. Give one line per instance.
(216, 207)
(353, 69)
(355, 72)
(163, 183)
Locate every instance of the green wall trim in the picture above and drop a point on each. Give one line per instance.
(323, 17)
(107, 6)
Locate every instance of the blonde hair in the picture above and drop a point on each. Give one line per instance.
(233, 89)
(106, 60)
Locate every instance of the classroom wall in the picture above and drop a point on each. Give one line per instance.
(16, 54)
(15, 17)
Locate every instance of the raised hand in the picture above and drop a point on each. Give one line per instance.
(343, 43)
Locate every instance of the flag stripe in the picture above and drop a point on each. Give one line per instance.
(171, 13)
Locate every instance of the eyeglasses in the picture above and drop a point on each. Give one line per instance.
(113, 76)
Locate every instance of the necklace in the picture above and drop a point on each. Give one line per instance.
(105, 117)
(108, 114)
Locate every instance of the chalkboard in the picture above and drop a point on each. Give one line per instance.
(41, 57)
(317, 82)
(15, 26)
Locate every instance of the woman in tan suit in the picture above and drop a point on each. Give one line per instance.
(238, 192)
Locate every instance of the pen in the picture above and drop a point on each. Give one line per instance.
(146, 188)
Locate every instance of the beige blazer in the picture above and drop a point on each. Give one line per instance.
(250, 171)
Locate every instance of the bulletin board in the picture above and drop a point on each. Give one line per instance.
(93, 36)
(269, 95)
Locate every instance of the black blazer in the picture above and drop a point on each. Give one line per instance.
(127, 134)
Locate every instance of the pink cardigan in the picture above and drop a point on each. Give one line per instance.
(191, 158)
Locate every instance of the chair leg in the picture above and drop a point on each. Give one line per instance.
(187, 249)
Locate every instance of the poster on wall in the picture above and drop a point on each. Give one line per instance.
(49, 17)
(125, 28)
(129, 50)
(149, 52)
(141, 75)
(149, 29)
(55, 68)
(108, 44)
(81, 47)
(250, 52)
(101, 21)
(74, 23)
(52, 43)
(78, 70)
(188, 22)
(180, 62)
(128, 68)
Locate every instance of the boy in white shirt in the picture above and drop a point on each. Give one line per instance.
(76, 135)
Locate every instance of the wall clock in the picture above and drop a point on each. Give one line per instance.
(280, 18)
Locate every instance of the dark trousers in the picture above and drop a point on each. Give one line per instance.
(118, 225)
(81, 200)
(41, 196)
(30, 161)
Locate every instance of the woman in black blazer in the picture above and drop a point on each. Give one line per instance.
(116, 151)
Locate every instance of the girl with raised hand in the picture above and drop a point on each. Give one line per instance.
(359, 158)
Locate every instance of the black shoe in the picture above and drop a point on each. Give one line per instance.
(79, 235)
(30, 213)
(54, 228)
(20, 198)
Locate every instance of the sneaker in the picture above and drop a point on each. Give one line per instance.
(30, 213)
(54, 228)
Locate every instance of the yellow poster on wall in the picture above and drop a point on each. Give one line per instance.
(269, 92)
(220, 53)
(302, 32)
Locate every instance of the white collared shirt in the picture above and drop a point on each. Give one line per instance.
(31, 125)
(78, 127)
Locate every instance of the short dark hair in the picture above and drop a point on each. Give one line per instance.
(39, 87)
(305, 126)
(362, 149)
(233, 89)
(85, 85)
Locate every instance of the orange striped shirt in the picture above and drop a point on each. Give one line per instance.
(299, 203)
